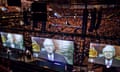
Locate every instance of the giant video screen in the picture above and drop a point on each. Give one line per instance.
(12, 40)
(53, 49)
(102, 53)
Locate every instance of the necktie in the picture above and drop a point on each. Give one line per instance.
(108, 64)
(50, 57)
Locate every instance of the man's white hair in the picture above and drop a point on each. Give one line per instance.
(48, 42)
(109, 48)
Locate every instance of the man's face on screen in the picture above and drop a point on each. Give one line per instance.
(49, 48)
(108, 54)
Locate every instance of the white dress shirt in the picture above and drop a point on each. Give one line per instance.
(51, 57)
(108, 63)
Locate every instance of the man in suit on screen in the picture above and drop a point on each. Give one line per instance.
(50, 53)
(108, 60)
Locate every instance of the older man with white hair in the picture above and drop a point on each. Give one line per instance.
(109, 53)
(49, 52)
(108, 60)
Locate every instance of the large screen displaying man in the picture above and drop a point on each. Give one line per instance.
(12, 40)
(105, 54)
(53, 49)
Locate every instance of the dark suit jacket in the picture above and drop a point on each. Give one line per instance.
(57, 57)
(101, 60)
(114, 68)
